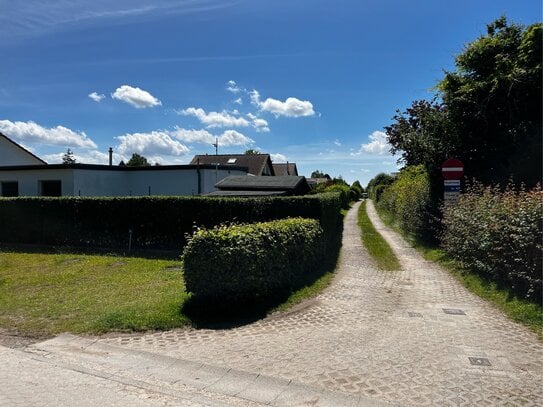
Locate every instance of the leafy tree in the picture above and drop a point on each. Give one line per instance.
(68, 157)
(494, 99)
(490, 111)
(319, 174)
(138, 161)
(251, 152)
(357, 185)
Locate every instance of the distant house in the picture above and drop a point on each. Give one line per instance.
(284, 169)
(24, 174)
(257, 164)
(261, 186)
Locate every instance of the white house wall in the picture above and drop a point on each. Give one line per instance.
(89, 182)
(104, 182)
(29, 180)
(11, 154)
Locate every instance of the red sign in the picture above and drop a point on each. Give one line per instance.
(452, 169)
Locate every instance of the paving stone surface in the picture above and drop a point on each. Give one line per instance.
(28, 379)
(414, 337)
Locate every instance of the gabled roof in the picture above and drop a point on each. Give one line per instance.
(282, 169)
(22, 148)
(246, 183)
(256, 163)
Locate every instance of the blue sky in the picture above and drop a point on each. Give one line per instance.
(309, 81)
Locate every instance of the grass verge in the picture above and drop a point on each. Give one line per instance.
(522, 311)
(45, 294)
(377, 247)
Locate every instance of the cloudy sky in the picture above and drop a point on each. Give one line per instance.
(309, 81)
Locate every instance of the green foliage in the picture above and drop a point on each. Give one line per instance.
(490, 111)
(137, 161)
(377, 184)
(251, 151)
(320, 174)
(255, 260)
(155, 222)
(498, 234)
(408, 201)
(68, 157)
(377, 247)
(358, 186)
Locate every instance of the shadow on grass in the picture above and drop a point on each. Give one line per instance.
(225, 314)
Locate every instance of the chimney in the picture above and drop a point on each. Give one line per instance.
(110, 151)
(288, 172)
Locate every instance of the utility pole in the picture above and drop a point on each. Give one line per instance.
(216, 145)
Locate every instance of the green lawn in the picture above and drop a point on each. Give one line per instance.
(45, 294)
(377, 247)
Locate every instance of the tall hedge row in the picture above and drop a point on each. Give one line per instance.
(157, 223)
(499, 234)
(251, 261)
(408, 200)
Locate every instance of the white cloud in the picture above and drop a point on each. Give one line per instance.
(215, 119)
(227, 138)
(337, 142)
(153, 143)
(96, 97)
(291, 107)
(234, 138)
(238, 101)
(260, 125)
(136, 97)
(31, 132)
(255, 97)
(378, 144)
(232, 86)
(193, 136)
(278, 158)
(86, 157)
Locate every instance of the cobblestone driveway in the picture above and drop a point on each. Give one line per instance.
(413, 337)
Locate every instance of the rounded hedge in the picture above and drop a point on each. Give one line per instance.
(241, 262)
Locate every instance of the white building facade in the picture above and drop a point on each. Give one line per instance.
(104, 180)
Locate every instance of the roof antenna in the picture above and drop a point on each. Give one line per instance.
(216, 145)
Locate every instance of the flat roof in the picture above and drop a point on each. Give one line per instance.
(247, 182)
(101, 167)
(247, 193)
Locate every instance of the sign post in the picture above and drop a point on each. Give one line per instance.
(452, 171)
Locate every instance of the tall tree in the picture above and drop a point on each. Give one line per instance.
(490, 111)
(137, 161)
(494, 99)
(68, 157)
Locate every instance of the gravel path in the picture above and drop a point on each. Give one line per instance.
(414, 337)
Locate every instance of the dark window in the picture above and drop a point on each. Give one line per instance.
(10, 188)
(50, 188)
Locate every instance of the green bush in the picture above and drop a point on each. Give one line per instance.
(408, 200)
(256, 260)
(157, 223)
(498, 234)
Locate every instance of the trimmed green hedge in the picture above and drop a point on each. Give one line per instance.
(407, 199)
(499, 234)
(157, 223)
(250, 261)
